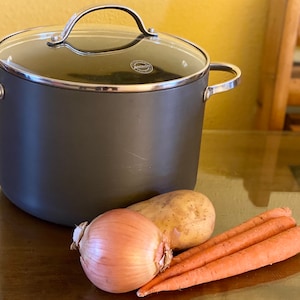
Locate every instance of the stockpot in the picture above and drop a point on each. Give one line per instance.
(98, 117)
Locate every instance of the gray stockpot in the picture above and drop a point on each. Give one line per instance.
(100, 117)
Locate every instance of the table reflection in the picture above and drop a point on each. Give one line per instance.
(253, 170)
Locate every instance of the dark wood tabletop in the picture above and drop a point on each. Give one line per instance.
(243, 173)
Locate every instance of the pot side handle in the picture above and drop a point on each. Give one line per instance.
(1, 91)
(224, 86)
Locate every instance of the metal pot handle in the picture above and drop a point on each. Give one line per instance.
(1, 91)
(60, 38)
(224, 86)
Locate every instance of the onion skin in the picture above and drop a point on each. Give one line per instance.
(121, 250)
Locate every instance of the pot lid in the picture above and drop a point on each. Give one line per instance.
(105, 58)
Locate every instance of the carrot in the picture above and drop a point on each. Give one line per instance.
(229, 246)
(259, 219)
(272, 250)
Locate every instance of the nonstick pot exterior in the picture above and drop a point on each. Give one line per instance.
(68, 155)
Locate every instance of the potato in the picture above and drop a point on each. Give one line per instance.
(186, 217)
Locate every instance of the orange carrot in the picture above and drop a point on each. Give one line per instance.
(259, 219)
(229, 246)
(272, 250)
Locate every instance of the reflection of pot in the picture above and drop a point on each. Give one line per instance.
(82, 132)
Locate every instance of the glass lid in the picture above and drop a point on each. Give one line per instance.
(97, 57)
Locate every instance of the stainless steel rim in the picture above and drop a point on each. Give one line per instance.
(15, 70)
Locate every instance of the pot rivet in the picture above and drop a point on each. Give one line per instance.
(1, 92)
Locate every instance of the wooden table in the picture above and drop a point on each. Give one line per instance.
(243, 173)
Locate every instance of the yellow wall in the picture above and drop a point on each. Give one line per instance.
(229, 30)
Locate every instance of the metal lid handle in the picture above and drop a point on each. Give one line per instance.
(60, 38)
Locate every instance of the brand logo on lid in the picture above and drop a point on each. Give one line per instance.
(141, 66)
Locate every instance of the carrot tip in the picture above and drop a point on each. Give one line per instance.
(140, 294)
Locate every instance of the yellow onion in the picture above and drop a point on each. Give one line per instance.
(121, 250)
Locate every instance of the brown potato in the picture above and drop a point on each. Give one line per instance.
(186, 217)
